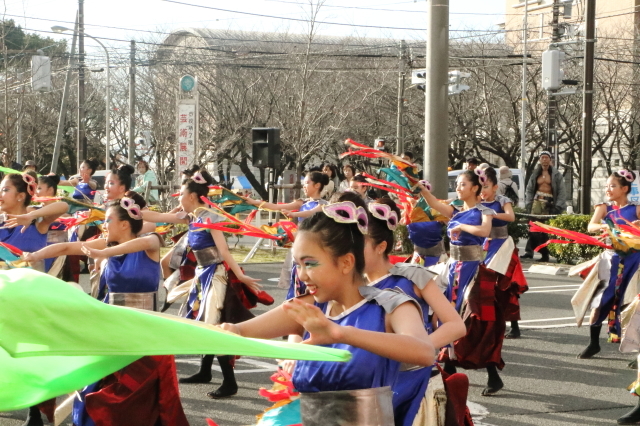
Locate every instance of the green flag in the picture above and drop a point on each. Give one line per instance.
(9, 170)
(55, 339)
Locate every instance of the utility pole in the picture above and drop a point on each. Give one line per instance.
(552, 103)
(82, 137)
(401, 75)
(523, 128)
(436, 117)
(65, 98)
(587, 109)
(132, 105)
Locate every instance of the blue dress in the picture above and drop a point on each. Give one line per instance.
(297, 287)
(32, 240)
(623, 268)
(426, 235)
(411, 385)
(122, 274)
(200, 239)
(461, 273)
(494, 244)
(83, 191)
(128, 273)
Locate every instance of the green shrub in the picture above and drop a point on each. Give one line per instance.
(402, 234)
(519, 228)
(572, 253)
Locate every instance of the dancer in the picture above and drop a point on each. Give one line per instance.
(85, 186)
(411, 386)
(502, 254)
(340, 312)
(208, 293)
(16, 192)
(472, 293)
(130, 276)
(48, 188)
(312, 186)
(425, 232)
(614, 272)
(118, 181)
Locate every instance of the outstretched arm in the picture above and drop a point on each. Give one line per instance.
(434, 203)
(62, 249)
(596, 225)
(482, 230)
(223, 249)
(452, 327)
(151, 216)
(49, 213)
(295, 205)
(508, 215)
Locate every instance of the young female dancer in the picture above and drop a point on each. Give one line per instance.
(468, 228)
(312, 186)
(502, 254)
(118, 182)
(48, 187)
(130, 266)
(208, 295)
(26, 230)
(410, 388)
(85, 186)
(381, 328)
(614, 272)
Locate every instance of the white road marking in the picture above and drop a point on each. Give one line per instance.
(275, 280)
(541, 327)
(262, 365)
(478, 413)
(546, 319)
(549, 291)
(556, 286)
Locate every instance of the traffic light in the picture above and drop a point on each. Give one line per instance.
(266, 147)
(552, 73)
(418, 79)
(455, 85)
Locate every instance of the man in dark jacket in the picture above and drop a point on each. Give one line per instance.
(545, 195)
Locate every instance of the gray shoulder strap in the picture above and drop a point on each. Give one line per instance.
(388, 299)
(415, 273)
(485, 210)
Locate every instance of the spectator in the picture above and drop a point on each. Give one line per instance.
(472, 163)
(7, 162)
(349, 172)
(407, 156)
(505, 183)
(360, 189)
(334, 182)
(545, 195)
(30, 166)
(146, 175)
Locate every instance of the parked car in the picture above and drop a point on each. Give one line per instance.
(516, 177)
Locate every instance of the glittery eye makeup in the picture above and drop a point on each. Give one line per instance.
(311, 264)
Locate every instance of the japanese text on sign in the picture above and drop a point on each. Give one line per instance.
(186, 134)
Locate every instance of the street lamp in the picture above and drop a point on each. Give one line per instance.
(59, 29)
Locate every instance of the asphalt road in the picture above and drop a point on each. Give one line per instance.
(544, 382)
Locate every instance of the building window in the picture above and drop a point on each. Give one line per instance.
(600, 163)
(616, 162)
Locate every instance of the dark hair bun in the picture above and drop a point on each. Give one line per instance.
(125, 169)
(51, 179)
(139, 200)
(92, 163)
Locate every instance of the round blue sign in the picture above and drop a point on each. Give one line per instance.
(187, 83)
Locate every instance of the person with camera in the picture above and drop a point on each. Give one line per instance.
(545, 195)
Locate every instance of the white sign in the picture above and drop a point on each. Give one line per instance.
(634, 195)
(187, 130)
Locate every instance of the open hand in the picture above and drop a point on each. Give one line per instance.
(322, 331)
(252, 283)
(455, 233)
(14, 220)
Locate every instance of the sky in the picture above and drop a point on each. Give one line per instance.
(154, 19)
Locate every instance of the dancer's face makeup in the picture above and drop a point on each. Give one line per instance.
(614, 191)
(488, 191)
(316, 267)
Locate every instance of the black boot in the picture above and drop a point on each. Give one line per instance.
(594, 343)
(494, 384)
(449, 368)
(204, 375)
(229, 386)
(632, 417)
(633, 365)
(514, 333)
(34, 418)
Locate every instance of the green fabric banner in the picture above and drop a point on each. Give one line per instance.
(55, 339)
(69, 189)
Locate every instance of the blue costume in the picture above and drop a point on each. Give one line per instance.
(466, 253)
(623, 268)
(364, 370)
(297, 287)
(411, 385)
(426, 236)
(495, 242)
(83, 192)
(30, 241)
(131, 280)
(203, 246)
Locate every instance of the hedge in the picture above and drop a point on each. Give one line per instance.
(572, 253)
